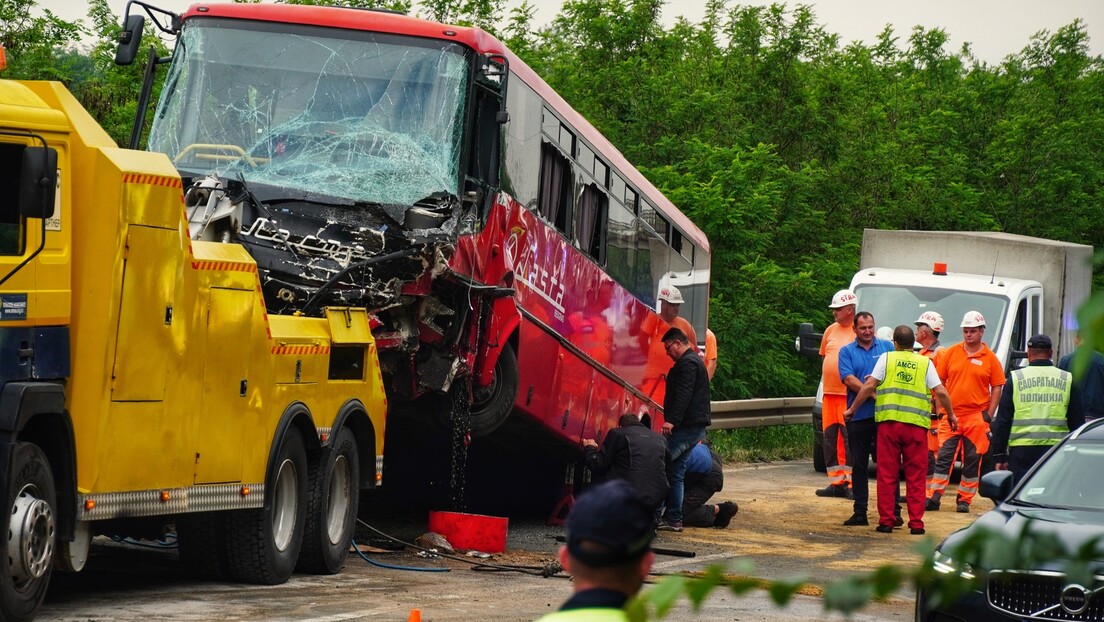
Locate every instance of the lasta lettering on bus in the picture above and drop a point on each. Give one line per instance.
(545, 283)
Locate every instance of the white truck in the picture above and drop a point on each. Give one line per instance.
(1022, 285)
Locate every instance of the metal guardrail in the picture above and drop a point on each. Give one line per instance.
(759, 413)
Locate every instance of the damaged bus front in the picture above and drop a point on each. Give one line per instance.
(348, 157)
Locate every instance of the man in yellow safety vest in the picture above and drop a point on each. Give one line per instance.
(905, 382)
(1041, 408)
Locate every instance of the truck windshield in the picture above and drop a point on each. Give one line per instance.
(364, 116)
(898, 304)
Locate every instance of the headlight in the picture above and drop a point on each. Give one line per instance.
(944, 564)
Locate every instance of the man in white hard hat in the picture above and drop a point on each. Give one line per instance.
(837, 335)
(974, 378)
(928, 327)
(670, 301)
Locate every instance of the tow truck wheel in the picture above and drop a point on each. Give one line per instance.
(263, 545)
(333, 495)
(31, 534)
(492, 404)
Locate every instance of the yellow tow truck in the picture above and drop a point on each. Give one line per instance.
(144, 389)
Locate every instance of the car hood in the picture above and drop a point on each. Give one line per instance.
(1073, 528)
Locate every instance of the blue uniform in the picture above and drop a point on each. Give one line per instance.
(854, 360)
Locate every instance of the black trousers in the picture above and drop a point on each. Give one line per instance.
(861, 435)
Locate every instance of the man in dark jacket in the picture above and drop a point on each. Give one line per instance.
(685, 415)
(635, 454)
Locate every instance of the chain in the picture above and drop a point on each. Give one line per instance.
(460, 417)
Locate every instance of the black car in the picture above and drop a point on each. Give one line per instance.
(1043, 558)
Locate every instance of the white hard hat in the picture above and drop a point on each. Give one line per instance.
(932, 319)
(671, 294)
(973, 319)
(843, 298)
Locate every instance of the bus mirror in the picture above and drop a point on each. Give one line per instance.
(39, 182)
(129, 39)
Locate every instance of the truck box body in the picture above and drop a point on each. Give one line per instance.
(1062, 269)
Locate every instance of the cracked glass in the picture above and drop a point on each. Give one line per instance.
(367, 117)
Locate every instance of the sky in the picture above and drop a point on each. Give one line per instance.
(995, 28)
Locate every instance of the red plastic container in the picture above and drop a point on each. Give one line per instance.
(471, 532)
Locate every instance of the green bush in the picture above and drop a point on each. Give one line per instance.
(783, 442)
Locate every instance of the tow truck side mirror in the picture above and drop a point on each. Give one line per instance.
(807, 342)
(129, 39)
(38, 184)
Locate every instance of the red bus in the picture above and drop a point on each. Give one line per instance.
(509, 252)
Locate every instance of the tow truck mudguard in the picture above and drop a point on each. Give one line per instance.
(22, 402)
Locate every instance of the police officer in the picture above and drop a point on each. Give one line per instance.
(1042, 406)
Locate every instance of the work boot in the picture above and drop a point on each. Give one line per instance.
(849, 494)
(883, 529)
(725, 512)
(962, 507)
(916, 531)
(932, 504)
(856, 519)
(832, 490)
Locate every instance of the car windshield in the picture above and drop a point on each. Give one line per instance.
(1063, 480)
(893, 305)
(368, 117)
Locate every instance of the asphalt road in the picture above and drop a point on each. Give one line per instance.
(782, 529)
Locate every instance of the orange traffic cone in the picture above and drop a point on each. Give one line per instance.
(415, 615)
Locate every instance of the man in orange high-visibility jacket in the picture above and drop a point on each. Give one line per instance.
(974, 378)
(839, 334)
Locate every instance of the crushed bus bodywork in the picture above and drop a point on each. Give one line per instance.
(335, 157)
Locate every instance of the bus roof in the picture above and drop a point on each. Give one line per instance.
(476, 39)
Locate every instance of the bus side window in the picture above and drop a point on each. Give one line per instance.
(555, 187)
(590, 222)
(11, 230)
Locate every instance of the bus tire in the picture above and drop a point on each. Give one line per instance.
(333, 495)
(492, 405)
(201, 541)
(263, 544)
(31, 534)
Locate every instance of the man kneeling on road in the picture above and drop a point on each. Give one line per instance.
(905, 381)
(705, 476)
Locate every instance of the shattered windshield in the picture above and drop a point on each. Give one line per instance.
(369, 117)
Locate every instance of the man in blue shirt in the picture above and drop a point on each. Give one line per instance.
(856, 361)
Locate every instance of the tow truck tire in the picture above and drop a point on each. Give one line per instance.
(263, 545)
(201, 538)
(492, 405)
(31, 535)
(333, 496)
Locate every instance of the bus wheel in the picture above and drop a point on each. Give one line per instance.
(200, 538)
(492, 404)
(333, 495)
(31, 534)
(263, 545)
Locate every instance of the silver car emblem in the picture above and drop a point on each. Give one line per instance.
(1075, 599)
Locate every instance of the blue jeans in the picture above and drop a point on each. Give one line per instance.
(679, 444)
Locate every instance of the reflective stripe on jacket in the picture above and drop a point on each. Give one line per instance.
(903, 395)
(1040, 396)
(595, 614)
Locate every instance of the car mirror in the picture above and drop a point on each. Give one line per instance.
(996, 485)
(807, 342)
